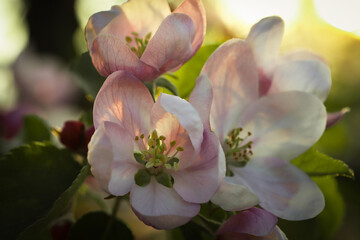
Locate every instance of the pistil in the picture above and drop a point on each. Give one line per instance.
(137, 44)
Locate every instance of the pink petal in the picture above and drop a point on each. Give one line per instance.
(100, 156)
(201, 98)
(255, 221)
(199, 182)
(113, 163)
(187, 116)
(145, 16)
(233, 75)
(112, 20)
(161, 207)
(124, 165)
(124, 100)
(234, 197)
(195, 10)
(282, 188)
(312, 76)
(283, 125)
(171, 45)
(110, 54)
(265, 39)
(333, 118)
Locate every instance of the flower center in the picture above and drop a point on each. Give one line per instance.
(136, 44)
(237, 152)
(157, 156)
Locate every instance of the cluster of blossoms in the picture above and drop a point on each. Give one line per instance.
(250, 113)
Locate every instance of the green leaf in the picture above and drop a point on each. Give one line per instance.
(35, 129)
(317, 164)
(93, 226)
(331, 218)
(142, 178)
(58, 208)
(165, 179)
(188, 73)
(167, 84)
(88, 77)
(32, 178)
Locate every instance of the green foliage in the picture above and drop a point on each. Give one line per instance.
(167, 84)
(317, 164)
(188, 73)
(88, 77)
(35, 129)
(94, 225)
(32, 179)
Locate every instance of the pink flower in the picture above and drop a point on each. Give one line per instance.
(144, 37)
(159, 152)
(300, 71)
(254, 223)
(259, 135)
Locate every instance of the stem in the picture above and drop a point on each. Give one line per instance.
(209, 220)
(112, 219)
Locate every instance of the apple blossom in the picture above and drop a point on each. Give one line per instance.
(301, 70)
(159, 152)
(144, 37)
(254, 223)
(259, 135)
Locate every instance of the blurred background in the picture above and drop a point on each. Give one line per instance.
(40, 40)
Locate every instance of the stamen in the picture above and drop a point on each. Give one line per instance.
(236, 148)
(156, 157)
(138, 44)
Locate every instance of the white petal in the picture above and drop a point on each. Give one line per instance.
(187, 115)
(265, 39)
(284, 125)
(233, 74)
(201, 98)
(161, 207)
(312, 76)
(282, 188)
(234, 197)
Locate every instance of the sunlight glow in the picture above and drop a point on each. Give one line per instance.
(241, 14)
(341, 14)
(13, 35)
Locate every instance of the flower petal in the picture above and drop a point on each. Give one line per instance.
(161, 207)
(333, 118)
(187, 115)
(145, 16)
(265, 39)
(124, 100)
(113, 163)
(282, 188)
(110, 54)
(171, 45)
(101, 156)
(255, 221)
(112, 20)
(168, 125)
(283, 125)
(195, 10)
(234, 197)
(201, 98)
(233, 75)
(312, 76)
(199, 182)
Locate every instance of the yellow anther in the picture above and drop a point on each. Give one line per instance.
(136, 138)
(142, 136)
(162, 138)
(179, 149)
(172, 143)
